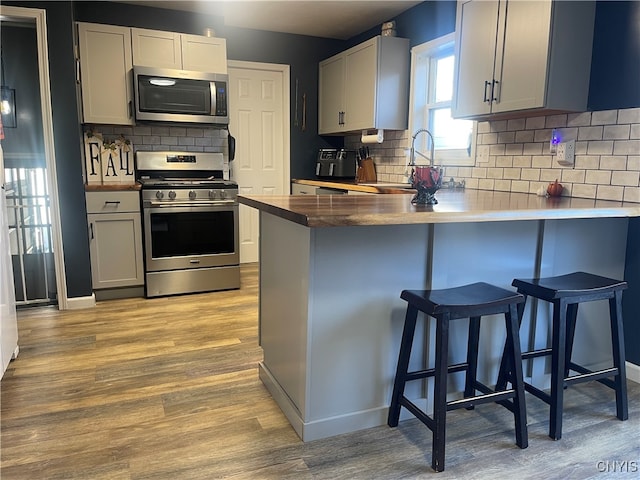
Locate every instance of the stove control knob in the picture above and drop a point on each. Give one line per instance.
(159, 195)
(212, 194)
(172, 195)
(223, 194)
(192, 195)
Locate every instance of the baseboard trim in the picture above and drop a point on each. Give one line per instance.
(77, 303)
(633, 372)
(326, 427)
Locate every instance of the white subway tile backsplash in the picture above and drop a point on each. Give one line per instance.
(616, 132)
(572, 176)
(498, 125)
(610, 162)
(530, 174)
(590, 133)
(513, 149)
(556, 121)
(609, 192)
(604, 147)
(504, 161)
(628, 179)
(532, 148)
(514, 155)
(506, 137)
(584, 191)
(543, 135)
(604, 117)
(539, 161)
(579, 119)
(525, 136)
(629, 115)
(520, 186)
(626, 147)
(633, 162)
(516, 124)
(535, 123)
(588, 162)
(631, 194)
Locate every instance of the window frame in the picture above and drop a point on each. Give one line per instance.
(419, 110)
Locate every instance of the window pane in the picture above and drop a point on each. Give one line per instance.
(444, 79)
(450, 133)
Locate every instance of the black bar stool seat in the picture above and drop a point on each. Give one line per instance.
(566, 292)
(469, 301)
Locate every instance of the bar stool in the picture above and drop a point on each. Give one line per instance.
(468, 301)
(566, 292)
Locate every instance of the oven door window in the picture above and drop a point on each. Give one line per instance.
(181, 96)
(192, 233)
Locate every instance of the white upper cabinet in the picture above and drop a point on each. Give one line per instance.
(522, 56)
(365, 87)
(105, 72)
(153, 48)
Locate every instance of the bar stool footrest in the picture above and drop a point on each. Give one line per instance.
(430, 372)
(587, 375)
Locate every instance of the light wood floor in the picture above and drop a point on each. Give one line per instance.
(168, 388)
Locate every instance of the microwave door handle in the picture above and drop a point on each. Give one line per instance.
(212, 87)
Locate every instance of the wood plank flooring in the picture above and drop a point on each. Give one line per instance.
(168, 388)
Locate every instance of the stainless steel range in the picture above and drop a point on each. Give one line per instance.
(190, 222)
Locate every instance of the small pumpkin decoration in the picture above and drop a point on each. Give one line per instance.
(554, 189)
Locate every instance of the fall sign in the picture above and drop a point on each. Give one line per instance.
(107, 161)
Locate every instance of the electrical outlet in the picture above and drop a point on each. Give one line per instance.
(565, 153)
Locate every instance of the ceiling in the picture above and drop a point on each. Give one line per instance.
(318, 18)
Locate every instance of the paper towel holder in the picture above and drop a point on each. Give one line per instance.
(377, 137)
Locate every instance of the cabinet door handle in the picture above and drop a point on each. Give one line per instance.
(112, 202)
(486, 84)
(494, 84)
(91, 228)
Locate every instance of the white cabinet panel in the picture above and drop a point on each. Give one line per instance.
(522, 56)
(365, 87)
(105, 69)
(154, 48)
(115, 239)
(204, 54)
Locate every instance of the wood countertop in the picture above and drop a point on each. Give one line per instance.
(376, 187)
(112, 187)
(454, 206)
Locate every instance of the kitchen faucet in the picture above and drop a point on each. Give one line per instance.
(412, 156)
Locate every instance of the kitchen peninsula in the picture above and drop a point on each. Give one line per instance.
(332, 268)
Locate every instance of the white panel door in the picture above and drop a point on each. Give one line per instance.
(258, 118)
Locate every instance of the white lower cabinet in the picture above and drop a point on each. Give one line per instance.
(115, 239)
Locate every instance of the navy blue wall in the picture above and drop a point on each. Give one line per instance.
(631, 297)
(615, 62)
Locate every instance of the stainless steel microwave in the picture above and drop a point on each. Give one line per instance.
(180, 96)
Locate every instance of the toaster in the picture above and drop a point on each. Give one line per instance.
(336, 163)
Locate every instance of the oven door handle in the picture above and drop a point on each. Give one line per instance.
(222, 203)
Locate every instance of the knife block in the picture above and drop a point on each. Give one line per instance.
(366, 171)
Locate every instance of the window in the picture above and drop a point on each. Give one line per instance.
(432, 80)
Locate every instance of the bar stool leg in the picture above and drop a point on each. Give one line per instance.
(617, 337)
(514, 365)
(572, 314)
(472, 357)
(403, 365)
(440, 392)
(559, 343)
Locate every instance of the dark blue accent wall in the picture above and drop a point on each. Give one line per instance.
(67, 138)
(615, 61)
(631, 297)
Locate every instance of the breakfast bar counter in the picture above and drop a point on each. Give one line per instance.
(332, 268)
